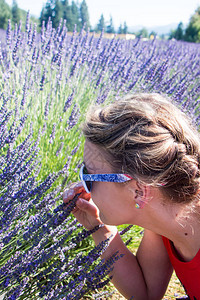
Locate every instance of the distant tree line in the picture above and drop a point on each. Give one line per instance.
(73, 14)
(108, 27)
(77, 13)
(14, 13)
(192, 32)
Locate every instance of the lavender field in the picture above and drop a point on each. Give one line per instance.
(47, 82)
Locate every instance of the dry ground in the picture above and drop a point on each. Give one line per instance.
(174, 291)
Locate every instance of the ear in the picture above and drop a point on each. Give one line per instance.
(140, 193)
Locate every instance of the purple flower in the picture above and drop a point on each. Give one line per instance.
(68, 102)
(8, 33)
(41, 244)
(73, 118)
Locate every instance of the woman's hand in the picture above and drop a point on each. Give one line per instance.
(85, 211)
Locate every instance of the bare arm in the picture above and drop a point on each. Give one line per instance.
(144, 276)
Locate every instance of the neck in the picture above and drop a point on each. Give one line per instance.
(177, 222)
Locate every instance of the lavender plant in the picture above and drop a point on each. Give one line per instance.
(38, 243)
(47, 82)
(58, 75)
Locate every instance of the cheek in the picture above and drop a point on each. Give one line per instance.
(105, 195)
(101, 194)
(109, 193)
(97, 191)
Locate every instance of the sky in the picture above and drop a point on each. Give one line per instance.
(146, 13)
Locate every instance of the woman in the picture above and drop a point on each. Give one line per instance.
(149, 155)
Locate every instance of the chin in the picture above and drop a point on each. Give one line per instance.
(107, 221)
(103, 219)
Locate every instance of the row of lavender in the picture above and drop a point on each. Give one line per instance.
(47, 83)
(56, 76)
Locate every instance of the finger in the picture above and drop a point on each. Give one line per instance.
(71, 191)
(74, 189)
(86, 206)
(71, 203)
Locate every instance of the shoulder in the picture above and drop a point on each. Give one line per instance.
(153, 247)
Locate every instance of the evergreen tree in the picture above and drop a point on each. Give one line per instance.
(57, 13)
(179, 33)
(67, 15)
(15, 13)
(101, 25)
(192, 32)
(5, 14)
(110, 28)
(47, 12)
(65, 5)
(125, 29)
(75, 15)
(142, 33)
(84, 15)
(42, 16)
(120, 30)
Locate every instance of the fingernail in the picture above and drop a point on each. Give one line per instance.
(70, 193)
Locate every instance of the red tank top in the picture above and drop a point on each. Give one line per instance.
(187, 272)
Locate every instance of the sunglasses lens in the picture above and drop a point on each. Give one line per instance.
(87, 183)
(85, 171)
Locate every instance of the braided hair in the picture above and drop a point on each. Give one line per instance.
(150, 138)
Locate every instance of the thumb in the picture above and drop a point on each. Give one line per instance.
(86, 206)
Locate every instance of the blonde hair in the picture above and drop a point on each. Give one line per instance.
(149, 138)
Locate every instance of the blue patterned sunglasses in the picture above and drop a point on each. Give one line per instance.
(88, 178)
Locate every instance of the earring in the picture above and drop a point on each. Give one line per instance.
(137, 205)
(138, 194)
